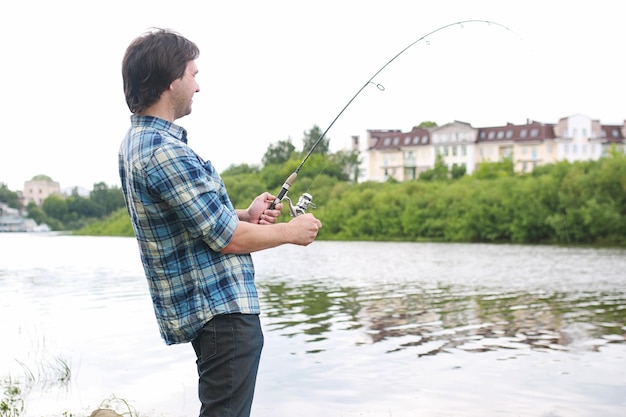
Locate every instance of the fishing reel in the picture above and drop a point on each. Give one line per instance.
(304, 202)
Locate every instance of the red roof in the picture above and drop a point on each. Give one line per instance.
(393, 139)
(531, 131)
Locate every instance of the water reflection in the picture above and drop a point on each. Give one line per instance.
(345, 324)
(434, 319)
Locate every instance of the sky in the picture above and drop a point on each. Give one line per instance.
(271, 70)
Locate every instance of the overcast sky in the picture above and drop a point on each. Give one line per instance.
(269, 70)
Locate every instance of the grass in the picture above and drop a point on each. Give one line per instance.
(50, 372)
(12, 403)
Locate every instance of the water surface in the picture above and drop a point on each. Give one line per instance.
(351, 329)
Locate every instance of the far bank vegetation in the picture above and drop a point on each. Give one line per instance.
(563, 203)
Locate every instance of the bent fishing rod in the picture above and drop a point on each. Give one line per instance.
(306, 200)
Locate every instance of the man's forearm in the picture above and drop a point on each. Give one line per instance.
(242, 215)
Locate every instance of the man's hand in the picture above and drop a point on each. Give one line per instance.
(303, 229)
(259, 211)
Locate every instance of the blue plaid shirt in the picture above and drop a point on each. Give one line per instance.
(182, 218)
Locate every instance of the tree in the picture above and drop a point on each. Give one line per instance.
(82, 207)
(439, 172)
(427, 124)
(55, 207)
(36, 213)
(457, 171)
(491, 170)
(310, 139)
(278, 153)
(11, 198)
(240, 169)
(109, 199)
(350, 162)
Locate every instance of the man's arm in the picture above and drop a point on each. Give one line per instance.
(250, 237)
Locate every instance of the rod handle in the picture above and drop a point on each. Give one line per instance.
(283, 191)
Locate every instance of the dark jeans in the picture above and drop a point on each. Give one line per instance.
(228, 350)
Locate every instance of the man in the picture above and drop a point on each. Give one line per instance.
(195, 247)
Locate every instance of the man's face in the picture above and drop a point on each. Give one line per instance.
(183, 90)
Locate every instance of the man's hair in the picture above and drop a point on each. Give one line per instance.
(151, 63)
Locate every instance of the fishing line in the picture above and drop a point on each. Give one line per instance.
(292, 178)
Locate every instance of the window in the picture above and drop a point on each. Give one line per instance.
(492, 134)
(387, 141)
(396, 140)
(523, 133)
(509, 134)
(534, 132)
(424, 139)
(501, 134)
(416, 140)
(407, 140)
(463, 150)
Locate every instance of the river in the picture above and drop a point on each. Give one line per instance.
(351, 329)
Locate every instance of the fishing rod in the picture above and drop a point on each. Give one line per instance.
(306, 200)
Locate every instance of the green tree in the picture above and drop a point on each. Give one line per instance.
(457, 171)
(11, 198)
(427, 124)
(108, 199)
(80, 207)
(310, 139)
(278, 153)
(240, 169)
(490, 170)
(36, 213)
(349, 162)
(55, 207)
(438, 173)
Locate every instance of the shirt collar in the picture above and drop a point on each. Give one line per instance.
(160, 124)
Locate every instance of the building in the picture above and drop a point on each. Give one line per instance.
(529, 145)
(394, 154)
(39, 188)
(404, 155)
(12, 221)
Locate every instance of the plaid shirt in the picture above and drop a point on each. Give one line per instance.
(182, 218)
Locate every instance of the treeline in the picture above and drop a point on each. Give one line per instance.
(563, 203)
(66, 213)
